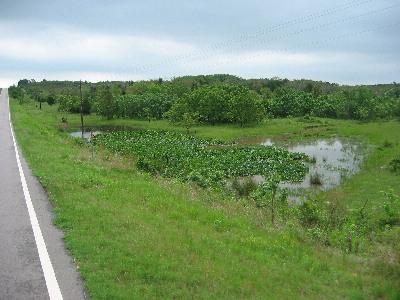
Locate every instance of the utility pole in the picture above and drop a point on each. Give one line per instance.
(80, 90)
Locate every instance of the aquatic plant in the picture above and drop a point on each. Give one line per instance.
(186, 157)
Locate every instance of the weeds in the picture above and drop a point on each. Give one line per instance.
(315, 179)
(266, 196)
(394, 165)
(243, 187)
(387, 144)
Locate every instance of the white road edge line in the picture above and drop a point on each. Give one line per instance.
(48, 271)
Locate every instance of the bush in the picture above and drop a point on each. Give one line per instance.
(69, 103)
(268, 196)
(387, 144)
(18, 93)
(315, 179)
(310, 213)
(51, 99)
(390, 215)
(244, 187)
(394, 165)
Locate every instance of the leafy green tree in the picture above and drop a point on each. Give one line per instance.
(190, 120)
(226, 103)
(51, 99)
(145, 106)
(106, 105)
(265, 196)
(38, 96)
(17, 93)
(69, 103)
(246, 107)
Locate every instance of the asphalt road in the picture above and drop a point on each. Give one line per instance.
(26, 264)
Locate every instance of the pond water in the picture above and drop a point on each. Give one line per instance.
(332, 161)
(86, 134)
(92, 131)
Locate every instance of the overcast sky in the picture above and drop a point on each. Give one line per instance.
(344, 41)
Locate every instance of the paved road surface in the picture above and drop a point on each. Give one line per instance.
(23, 273)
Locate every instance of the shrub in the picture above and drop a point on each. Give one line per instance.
(315, 179)
(69, 103)
(267, 196)
(394, 165)
(244, 187)
(390, 208)
(387, 144)
(310, 213)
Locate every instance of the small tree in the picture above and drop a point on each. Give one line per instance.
(266, 196)
(147, 113)
(17, 93)
(106, 103)
(190, 120)
(51, 99)
(37, 95)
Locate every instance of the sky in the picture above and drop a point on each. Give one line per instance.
(343, 41)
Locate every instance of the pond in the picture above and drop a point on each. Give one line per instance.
(91, 131)
(332, 160)
(86, 134)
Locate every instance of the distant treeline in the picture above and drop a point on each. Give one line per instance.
(215, 99)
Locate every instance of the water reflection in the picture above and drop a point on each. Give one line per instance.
(332, 161)
(86, 134)
(89, 132)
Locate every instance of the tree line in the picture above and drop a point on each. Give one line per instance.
(216, 99)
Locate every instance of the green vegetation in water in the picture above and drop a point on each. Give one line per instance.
(187, 157)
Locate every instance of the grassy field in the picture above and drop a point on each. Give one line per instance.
(138, 236)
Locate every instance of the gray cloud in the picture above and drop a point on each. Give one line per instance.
(351, 41)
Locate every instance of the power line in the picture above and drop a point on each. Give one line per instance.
(297, 21)
(263, 31)
(351, 19)
(325, 41)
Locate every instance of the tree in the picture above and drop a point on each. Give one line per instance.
(106, 103)
(69, 103)
(38, 96)
(51, 99)
(190, 120)
(246, 107)
(17, 93)
(147, 113)
(220, 103)
(23, 82)
(265, 196)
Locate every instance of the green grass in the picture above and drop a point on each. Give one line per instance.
(137, 236)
